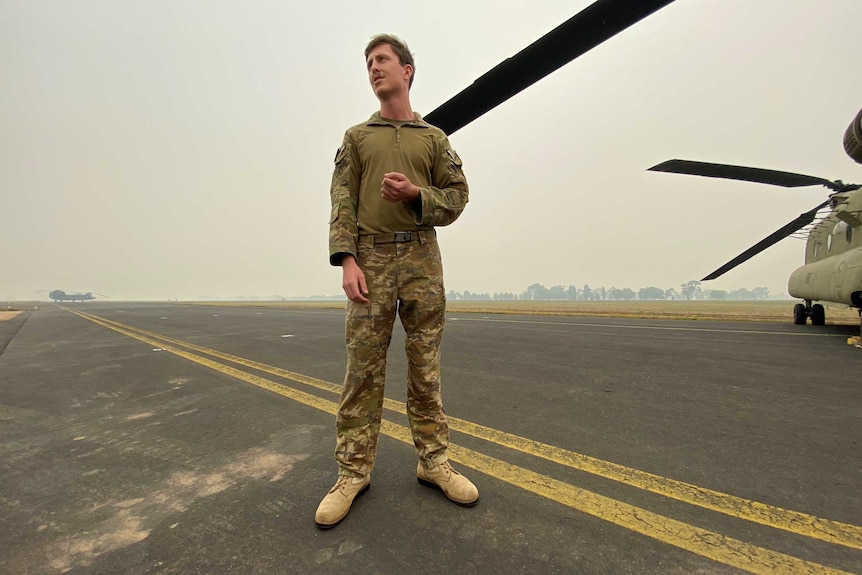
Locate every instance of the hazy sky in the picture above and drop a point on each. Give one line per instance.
(164, 149)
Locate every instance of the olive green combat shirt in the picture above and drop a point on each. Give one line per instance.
(414, 148)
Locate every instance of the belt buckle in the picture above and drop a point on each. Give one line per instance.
(403, 236)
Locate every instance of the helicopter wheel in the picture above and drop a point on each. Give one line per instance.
(800, 314)
(818, 315)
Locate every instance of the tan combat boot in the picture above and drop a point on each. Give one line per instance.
(454, 485)
(336, 504)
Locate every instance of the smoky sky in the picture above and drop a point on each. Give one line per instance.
(161, 150)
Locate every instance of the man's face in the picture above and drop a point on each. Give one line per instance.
(385, 72)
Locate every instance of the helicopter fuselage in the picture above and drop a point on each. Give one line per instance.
(60, 295)
(833, 256)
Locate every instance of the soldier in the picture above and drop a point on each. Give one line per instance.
(396, 177)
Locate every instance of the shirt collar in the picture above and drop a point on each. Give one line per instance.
(377, 120)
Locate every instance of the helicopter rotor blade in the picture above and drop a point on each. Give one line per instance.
(758, 175)
(577, 35)
(786, 230)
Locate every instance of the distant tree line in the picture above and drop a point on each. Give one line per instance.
(687, 291)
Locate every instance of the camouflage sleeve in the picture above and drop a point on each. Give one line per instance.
(444, 200)
(344, 193)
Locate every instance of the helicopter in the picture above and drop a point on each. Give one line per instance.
(832, 271)
(60, 295)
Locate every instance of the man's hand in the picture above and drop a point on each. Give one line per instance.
(398, 188)
(353, 280)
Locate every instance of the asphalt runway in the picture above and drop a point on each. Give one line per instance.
(183, 439)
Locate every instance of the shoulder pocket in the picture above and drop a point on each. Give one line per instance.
(340, 155)
(453, 157)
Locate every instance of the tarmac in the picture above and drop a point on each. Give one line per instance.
(155, 438)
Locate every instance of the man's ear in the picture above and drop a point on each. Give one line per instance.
(408, 68)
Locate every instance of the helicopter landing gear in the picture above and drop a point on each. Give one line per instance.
(818, 315)
(801, 312)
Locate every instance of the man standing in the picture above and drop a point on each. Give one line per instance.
(396, 178)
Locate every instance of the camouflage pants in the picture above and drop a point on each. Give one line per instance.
(404, 278)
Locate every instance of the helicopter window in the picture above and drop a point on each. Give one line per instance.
(816, 248)
(829, 241)
(849, 234)
(842, 229)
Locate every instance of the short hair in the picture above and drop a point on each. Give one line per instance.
(400, 48)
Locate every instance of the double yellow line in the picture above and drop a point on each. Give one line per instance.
(706, 543)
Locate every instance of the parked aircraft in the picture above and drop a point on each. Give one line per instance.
(833, 252)
(60, 295)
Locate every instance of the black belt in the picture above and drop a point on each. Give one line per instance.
(396, 237)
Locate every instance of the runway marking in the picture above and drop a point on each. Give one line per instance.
(772, 516)
(702, 542)
(652, 327)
